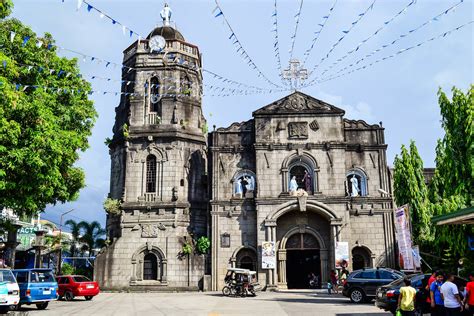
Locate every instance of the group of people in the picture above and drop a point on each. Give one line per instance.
(307, 182)
(335, 280)
(445, 298)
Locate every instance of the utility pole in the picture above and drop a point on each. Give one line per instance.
(60, 240)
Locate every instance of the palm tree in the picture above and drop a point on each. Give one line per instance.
(92, 233)
(75, 232)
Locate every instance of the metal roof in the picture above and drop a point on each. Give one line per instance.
(463, 216)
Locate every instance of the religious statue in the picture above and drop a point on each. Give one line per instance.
(238, 188)
(293, 186)
(308, 182)
(355, 186)
(166, 15)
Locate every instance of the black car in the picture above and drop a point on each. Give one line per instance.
(361, 285)
(387, 295)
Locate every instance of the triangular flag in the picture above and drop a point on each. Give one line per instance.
(12, 36)
(79, 4)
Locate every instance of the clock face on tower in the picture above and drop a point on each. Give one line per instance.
(157, 43)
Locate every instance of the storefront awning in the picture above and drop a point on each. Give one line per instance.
(463, 216)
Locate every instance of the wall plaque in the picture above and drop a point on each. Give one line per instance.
(149, 231)
(298, 130)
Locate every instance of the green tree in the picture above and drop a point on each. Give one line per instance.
(410, 188)
(5, 8)
(452, 186)
(45, 120)
(91, 236)
(75, 232)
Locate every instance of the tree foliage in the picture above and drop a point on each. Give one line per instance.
(5, 8)
(91, 235)
(45, 120)
(410, 188)
(452, 187)
(75, 232)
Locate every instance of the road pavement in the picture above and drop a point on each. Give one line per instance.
(314, 302)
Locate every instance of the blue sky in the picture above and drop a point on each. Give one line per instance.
(400, 91)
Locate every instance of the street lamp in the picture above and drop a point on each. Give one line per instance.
(60, 240)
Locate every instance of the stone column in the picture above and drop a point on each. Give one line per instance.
(214, 249)
(324, 266)
(282, 269)
(270, 227)
(284, 183)
(164, 277)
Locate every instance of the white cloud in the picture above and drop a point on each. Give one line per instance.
(361, 111)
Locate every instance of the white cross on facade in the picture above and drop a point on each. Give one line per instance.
(294, 73)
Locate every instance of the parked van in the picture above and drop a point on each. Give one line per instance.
(37, 286)
(9, 291)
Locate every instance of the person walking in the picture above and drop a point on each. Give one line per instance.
(406, 299)
(469, 299)
(333, 277)
(437, 303)
(450, 294)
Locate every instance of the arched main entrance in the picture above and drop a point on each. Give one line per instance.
(303, 259)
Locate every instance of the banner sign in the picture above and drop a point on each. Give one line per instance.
(403, 236)
(268, 255)
(342, 254)
(416, 257)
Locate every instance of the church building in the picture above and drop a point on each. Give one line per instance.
(279, 194)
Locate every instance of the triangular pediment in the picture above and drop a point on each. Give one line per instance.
(299, 102)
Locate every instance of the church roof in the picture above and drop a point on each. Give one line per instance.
(168, 32)
(299, 103)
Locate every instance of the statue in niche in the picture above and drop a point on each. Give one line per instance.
(238, 191)
(293, 186)
(355, 186)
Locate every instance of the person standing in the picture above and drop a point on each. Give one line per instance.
(451, 298)
(437, 303)
(406, 299)
(469, 299)
(333, 277)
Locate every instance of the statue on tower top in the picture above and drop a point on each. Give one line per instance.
(166, 15)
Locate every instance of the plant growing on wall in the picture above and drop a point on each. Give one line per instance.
(187, 249)
(203, 244)
(126, 133)
(112, 206)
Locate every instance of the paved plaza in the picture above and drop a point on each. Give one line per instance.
(213, 303)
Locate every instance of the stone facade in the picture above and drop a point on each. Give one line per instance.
(297, 174)
(287, 138)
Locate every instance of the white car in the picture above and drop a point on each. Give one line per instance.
(9, 290)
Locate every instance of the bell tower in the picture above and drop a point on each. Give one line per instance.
(159, 163)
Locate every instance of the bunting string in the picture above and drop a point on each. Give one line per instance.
(344, 34)
(400, 37)
(218, 13)
(385, 24)
(401, 51)
(318, 32)
(297, 22)
(276, 44)
(90, 8)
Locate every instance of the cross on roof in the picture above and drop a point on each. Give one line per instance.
(294, 73)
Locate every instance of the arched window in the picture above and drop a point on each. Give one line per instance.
(246, 258)
(361, 258)
(302, 169)
(150, 267)
(244, 184)
(155, 98)
(151, 174)
(356, 183)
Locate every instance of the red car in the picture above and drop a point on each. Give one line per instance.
(71, 286)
